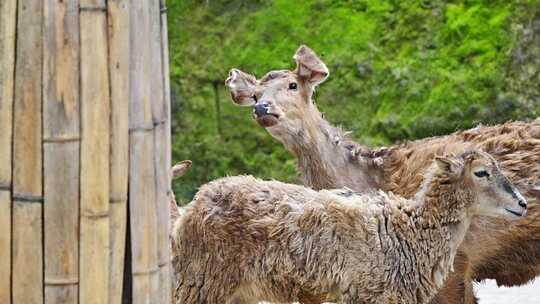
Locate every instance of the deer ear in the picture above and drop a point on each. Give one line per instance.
(242, 87)
(309, 66)
(447, 164)
(180, 168)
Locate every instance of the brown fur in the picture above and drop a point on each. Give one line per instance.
(495, 250)
(327, 159)
(177, 171)
(255, 240)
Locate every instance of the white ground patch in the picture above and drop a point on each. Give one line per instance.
(489, 293)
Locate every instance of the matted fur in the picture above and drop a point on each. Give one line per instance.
(495, 249)
(252, 240)
(328, 159)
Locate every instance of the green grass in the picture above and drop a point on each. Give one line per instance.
(399, 70)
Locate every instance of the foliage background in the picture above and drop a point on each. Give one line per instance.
(400, 69)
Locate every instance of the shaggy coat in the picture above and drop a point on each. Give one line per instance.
(493, 248)
(253, 240)
(328, 159)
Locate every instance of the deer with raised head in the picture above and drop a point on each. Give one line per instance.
(282, 102)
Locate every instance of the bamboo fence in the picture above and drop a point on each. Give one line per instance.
(84, 152)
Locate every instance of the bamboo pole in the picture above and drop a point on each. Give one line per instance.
(166, 92)
(8, 12)
(61, 144)
(143, 221)
(160, 119)
(61, 221)
(167, 275)
(143, 215)
(88, 86)
(95, 149)
(5, 243)
(119, 50)
(27, 250)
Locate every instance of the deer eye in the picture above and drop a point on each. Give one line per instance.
(293, 86)
(482, 173)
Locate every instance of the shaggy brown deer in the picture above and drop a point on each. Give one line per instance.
(283, 104)
(251, 240)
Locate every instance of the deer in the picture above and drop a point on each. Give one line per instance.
(282, 102)
(245, 240)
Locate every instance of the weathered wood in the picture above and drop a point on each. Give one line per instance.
(8, 13)
(156, 65)
(166, 87)
(95, 149)
(61, 71)
(166, 94)
(27, 180)
(85, 116)
(61, 111)
(27, 251)
(143, 217)
(142, 180)
(7, 65)
(5, 244)
(140, 113)
(159, 116)
(162, 207)
(168, 150)
(61, 213)
(64, 291)
(119, 52)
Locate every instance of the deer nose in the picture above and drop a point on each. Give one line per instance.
(522, 204)
(261, 109)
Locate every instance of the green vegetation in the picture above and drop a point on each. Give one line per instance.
(398, 70)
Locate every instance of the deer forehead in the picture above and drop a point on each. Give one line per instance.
(486, 164)
(274, 77)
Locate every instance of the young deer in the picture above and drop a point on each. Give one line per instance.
(250, 240)
(282, 102)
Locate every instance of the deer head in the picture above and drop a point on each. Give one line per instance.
(492, 193)
(282, 99)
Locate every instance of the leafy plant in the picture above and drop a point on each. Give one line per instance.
(399, 70)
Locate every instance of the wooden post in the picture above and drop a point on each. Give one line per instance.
(167, 150)
(27, 251)
(95, 149)
(119, 53)
(85, 133)
(61, 144)
(142, 180)
(8, 12)
(160, 118)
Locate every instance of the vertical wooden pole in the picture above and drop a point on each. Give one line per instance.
(166, 93)
(163, 147)
(95, 149)
(119, 53)
(142, 184)
(160, 119)
(8, 13)
(84, 113)
(27, 251)
(61, 144)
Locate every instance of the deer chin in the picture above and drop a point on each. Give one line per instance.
(268, 120)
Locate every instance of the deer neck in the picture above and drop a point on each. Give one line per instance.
(326, 158)
(444, 216)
